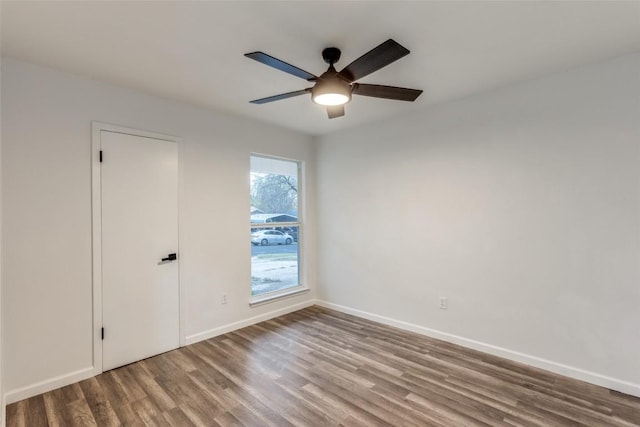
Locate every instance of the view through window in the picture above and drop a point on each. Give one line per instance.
(275, 226)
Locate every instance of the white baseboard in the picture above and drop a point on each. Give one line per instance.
(48, 385)
(82, 374)
(558, 368)
(201, 336)
(569, 371)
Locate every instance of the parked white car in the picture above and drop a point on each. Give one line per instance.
(270, 237)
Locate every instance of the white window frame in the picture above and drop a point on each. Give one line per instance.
(301, 287)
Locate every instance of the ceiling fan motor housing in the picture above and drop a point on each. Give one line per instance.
(331, 55)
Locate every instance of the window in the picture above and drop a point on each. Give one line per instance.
(275, 225)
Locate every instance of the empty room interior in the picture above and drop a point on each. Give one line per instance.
(305, 213)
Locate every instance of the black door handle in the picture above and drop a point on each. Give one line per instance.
(170, 257)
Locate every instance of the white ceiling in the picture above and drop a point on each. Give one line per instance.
(192, 51)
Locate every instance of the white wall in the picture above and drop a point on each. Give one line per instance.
(521, 206)
(46, 216)
(2, 405)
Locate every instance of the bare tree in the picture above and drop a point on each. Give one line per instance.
(273, 193)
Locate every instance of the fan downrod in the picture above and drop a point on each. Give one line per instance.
(331, 55)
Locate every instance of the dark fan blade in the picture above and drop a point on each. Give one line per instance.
(387, 92)
(280, 65)
(373, 60)
(281, 96)
(335, 111)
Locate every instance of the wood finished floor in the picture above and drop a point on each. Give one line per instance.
(318, 367)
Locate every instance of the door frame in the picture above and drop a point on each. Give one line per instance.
(96, 232)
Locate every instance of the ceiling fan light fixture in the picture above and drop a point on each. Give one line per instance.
(331, 92)
(331, 99)
(334, 88)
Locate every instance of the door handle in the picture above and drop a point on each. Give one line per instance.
(170, 257)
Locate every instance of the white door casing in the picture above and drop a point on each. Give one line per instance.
(139, 226)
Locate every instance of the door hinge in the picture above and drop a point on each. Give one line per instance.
(102, 333)
(100, 156)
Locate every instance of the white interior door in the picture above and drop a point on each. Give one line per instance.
(140, 292)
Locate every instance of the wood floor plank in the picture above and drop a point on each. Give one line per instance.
(80, 414)
(188, 396)
(56, 407)
(228, 420)
(16, 414)
(99, 404)
(262, 388)
(55, 416)
(175, 417)
(317, 367)
(196, 416)
(117, 398)
(36, 414)
(147, 410)
(152, 389)
(128, 384)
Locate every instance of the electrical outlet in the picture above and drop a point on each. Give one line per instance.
(224, 299)
(443, 303)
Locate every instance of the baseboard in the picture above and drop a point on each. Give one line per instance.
(82, 374)
(558, 368)
(201, 336)
(47, 385)
(569, 371)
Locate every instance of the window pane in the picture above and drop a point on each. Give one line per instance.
(274, 198)
(274, 250)
(274, 266)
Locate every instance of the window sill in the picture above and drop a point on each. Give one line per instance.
(266, 299)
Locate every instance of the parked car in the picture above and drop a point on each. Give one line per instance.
(270, 237)
(291, 231)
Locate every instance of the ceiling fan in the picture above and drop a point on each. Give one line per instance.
(333, 89)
